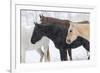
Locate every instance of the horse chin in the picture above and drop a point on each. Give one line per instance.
(33, 42)
(68, 42)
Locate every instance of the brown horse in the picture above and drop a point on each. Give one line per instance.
(51, 20)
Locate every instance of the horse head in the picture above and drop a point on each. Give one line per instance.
(37, 34)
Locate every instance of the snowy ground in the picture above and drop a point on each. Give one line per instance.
(29, 17)
(77, 54)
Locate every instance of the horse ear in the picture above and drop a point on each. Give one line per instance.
(41, 15)
(36, 24)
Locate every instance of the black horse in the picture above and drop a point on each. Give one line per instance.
(58, 33)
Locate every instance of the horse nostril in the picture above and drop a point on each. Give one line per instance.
(32, 42)
(69, 40)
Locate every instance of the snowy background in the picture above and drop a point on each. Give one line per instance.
(28, 17)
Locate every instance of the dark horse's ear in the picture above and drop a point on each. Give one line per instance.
(36, 24)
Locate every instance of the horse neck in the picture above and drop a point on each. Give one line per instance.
(44, 32)
(83, 40)
(48, 35)
(84, 30)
